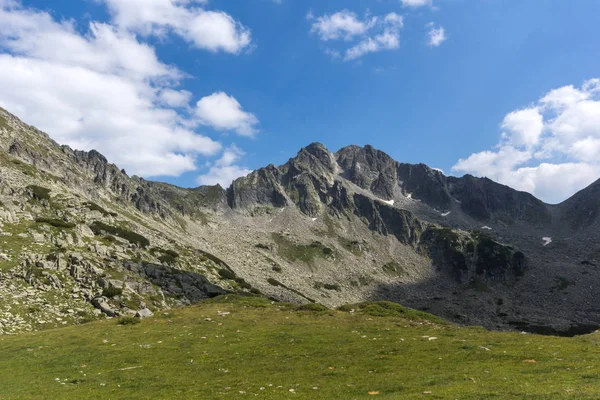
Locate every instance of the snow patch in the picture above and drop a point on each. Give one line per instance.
(313, 219)
(409, 196)
(486, 227)
(390, 202)
(547, 240)
(446, 214)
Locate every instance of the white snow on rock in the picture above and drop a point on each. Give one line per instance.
(390, 202)
(313, 219)
(409, 196)
(547, 240)
(486, 227)
(446, 214)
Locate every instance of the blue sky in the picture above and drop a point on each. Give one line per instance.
(507, 91)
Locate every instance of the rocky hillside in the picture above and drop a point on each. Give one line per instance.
(81, 239)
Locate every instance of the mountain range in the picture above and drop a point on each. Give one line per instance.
(81, 239)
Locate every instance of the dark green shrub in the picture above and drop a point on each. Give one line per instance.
(100, 228)
(226, 274)
(129, 321)
(171, 253)
(39, 193)
(346, 308)
(334, 286)
(57, 223)
(109, 238)
(167, 259)
(112, 291)
(313, 307)
(277, 268)
(274, 282)
(96, 207)
(34, 308)
(243, 284)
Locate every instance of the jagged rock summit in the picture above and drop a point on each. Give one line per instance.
(81, 239)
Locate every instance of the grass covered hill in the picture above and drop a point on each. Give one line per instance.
(234, 347)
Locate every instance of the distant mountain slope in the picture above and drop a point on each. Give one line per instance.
(324, 227)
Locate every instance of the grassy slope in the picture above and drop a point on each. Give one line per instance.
(268, 351)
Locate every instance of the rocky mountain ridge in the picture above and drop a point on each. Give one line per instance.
(328, 227)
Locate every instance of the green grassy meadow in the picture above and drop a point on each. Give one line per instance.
(240, 348)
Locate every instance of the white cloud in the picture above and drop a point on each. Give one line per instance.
(224, 112)
(506, 158)
(36, 34)
(415, 3)
(563, 129)
(343, 24)
(175, 98)
(563, 97)
(371, 35)
(225, 171)
(204, 29)
(102, 90)
(524, 126)
(435, 36)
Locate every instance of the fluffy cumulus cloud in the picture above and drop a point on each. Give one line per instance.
(225, 170)
(225, 113)
(205, 29)
(550, 148)
(435, 36)
(371, 34)
(102, 89)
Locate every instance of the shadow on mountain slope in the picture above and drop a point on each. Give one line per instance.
(494, 305)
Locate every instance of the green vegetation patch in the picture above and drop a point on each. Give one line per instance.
(314, 307)
(27, 169)
(39, 193)
(301, 252)
(100, 228)
(353, 246)
(226, 274)
(240, 300)
(274, 282)
(168, 257)
(327, 286)
(129, 321)
(394, 268)
(57, 223)
(390, 309)
(96, 207)
(112, 291)
(198, 353)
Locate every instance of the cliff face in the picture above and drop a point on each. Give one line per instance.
(355, 221)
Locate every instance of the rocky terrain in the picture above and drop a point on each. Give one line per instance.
(80, 240)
